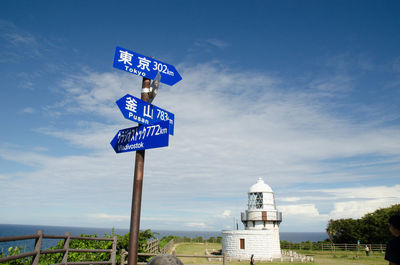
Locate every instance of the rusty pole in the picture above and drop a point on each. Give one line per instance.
(137, 193)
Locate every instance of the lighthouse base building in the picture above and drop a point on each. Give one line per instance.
(261, 221)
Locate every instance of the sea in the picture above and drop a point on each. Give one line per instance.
(7, 230)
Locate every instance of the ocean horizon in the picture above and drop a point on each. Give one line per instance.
(7, 230)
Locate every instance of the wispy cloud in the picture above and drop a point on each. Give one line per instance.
(226, 213)
(15, 41)
(290, 199)
(343, 203)
(195, 225)
(304, 210)
(110, 217)
(212, 42)
(227, 135)
(28, 110)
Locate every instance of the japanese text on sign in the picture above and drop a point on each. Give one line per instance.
(148, 67)
(141, 137)
(143, 112)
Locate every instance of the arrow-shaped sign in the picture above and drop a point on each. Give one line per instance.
(145, 66)
(142, 112)
(141, 137)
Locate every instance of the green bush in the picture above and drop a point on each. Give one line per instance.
(47, 259)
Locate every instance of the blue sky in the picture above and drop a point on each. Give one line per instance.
(305, 94)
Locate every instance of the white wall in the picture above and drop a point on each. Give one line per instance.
(263, 244)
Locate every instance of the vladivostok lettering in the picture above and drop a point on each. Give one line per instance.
(130, 146)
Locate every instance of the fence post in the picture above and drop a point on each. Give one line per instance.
(224, 259)
(38, 246)
(123, 255)
(114, 250)
(66, 248)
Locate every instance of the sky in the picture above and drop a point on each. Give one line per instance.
(304, 94)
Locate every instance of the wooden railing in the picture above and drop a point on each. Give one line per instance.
(39, 236)
(153, 246)
(332, 246)
(124, 254)
(167, 247)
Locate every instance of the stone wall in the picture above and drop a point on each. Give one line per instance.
(262, 243)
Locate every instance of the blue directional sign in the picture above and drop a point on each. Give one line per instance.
(142, 112)
(141, 137)
(145, 66)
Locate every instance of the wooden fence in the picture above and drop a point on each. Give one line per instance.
(124, 254)
(153, 246)
(332, 247)
(39, 236)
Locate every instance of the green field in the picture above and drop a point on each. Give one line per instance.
(320, 258)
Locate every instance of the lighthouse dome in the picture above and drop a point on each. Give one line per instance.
(260, 186)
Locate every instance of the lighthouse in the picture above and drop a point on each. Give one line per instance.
(261, 222)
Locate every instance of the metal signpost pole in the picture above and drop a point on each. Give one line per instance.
(137, 193)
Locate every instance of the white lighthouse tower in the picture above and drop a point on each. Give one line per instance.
(261, 221)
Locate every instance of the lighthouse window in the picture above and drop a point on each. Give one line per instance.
(255, 200)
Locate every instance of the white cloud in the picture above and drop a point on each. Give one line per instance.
(227, 134)
(18, 44)
(298, 216)
(357, 209)
(196, 225)
(356, 202)
(289, 199)
(226, 213)
(28, 110)
(14, 35)
(208, 43)
(109, 217)
(374, 192)
(217, 43)
(4, 177)
(303, 210)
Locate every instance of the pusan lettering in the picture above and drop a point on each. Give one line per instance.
(137, 118)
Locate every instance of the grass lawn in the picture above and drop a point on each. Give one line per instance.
(320, 257)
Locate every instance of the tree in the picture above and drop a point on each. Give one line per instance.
(144, 237)
(371, 228)
(343, 231)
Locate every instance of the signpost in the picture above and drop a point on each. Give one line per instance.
(142, 112)
(145, 66)
(154, 132)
